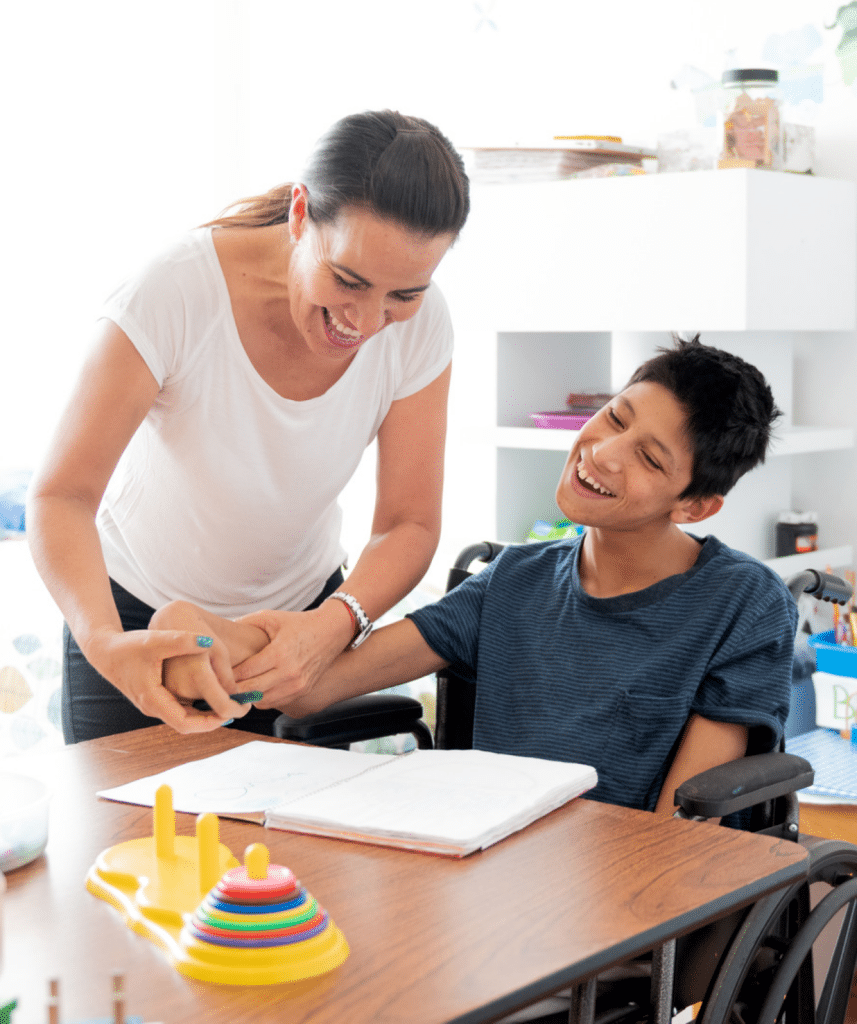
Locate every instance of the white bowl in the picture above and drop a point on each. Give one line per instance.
(23, 820)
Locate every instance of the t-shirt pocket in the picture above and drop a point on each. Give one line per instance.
(642, 740)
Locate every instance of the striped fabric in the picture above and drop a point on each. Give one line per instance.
(611, 682)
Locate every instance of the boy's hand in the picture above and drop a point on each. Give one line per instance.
(206, 675)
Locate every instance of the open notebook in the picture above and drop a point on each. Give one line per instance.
(450, 802)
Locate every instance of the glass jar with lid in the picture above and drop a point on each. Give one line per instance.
(752, 128)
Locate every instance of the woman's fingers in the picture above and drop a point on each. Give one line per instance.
(163, 671)
(251, 671)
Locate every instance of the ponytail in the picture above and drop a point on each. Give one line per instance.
(256, 211)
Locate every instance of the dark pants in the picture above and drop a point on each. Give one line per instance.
(92, 707)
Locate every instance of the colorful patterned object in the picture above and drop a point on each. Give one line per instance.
(30, 656)
(217, 920)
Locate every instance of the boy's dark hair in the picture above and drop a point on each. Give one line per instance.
(730, 410)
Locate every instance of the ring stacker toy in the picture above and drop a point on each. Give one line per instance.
(217, 920)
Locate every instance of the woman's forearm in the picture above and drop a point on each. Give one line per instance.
(407, 516)
(66, 550)
(390, 566)
(113, 393)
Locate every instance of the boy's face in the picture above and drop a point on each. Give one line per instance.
(630, 463)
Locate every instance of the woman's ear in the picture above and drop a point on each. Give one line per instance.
(694, 510)
(297, 212)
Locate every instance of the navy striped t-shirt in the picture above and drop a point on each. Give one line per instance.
(611, 682)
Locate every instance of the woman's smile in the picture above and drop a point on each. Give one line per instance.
(338, 333)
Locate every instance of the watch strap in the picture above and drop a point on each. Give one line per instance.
(362, 624)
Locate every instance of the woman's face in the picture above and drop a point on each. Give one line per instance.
(350, 278)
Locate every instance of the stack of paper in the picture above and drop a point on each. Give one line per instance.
(562, 159)
(450, 802)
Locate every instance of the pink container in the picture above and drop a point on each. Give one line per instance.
(560, 420)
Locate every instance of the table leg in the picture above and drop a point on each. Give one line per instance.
(582, 1008)
(663, 971)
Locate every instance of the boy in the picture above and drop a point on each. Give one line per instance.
(637, 648)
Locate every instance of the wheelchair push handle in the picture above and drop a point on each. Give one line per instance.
(822, 585)
(485, 551)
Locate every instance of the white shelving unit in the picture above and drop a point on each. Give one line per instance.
(568, 286)
(791, 441)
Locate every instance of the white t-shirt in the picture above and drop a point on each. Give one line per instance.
(227, 493)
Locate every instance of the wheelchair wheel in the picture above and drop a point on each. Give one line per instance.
(767, 973)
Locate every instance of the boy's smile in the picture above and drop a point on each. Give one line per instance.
(589, 483)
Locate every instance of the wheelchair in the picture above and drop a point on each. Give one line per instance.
(752, 967)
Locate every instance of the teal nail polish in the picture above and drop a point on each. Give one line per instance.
(229, 721)
(247, 698)
(204, 641)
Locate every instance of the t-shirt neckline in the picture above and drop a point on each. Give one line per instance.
(238, 346)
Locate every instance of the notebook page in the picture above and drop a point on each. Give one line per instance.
(247, 779)
(467, 798)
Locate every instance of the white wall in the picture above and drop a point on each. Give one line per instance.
(126, 121)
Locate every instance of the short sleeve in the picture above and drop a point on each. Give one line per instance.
(169, 305)
(749, 678)
(451, 625)
(426, 344)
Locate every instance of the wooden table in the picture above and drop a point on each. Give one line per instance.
(432, 939)
(830, 821)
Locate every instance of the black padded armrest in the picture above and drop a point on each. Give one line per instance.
(743, 783)
(358, 718)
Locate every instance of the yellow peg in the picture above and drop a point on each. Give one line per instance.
(208, 840)
(165, 823)
(256, 859)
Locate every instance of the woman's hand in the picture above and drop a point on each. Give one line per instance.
(301, 646)
(135, 662)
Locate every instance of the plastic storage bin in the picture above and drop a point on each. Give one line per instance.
(832, 657)
(23, 820)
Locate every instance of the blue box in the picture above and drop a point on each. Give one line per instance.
(831, 657)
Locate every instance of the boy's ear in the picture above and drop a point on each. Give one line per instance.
(694, 510)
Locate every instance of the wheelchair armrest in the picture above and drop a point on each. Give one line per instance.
(359, 718)
(742, 783)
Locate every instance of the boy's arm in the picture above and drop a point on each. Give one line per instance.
(390, 655)
(704, 744)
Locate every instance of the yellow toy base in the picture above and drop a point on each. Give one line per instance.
(158, 882)
(271, 966)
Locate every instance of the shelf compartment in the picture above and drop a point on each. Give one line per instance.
(836, 558)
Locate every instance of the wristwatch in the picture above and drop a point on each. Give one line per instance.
(362, 625)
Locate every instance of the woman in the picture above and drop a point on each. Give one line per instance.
(231, 392)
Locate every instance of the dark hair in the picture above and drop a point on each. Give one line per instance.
(395, 166)
(730, 410)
